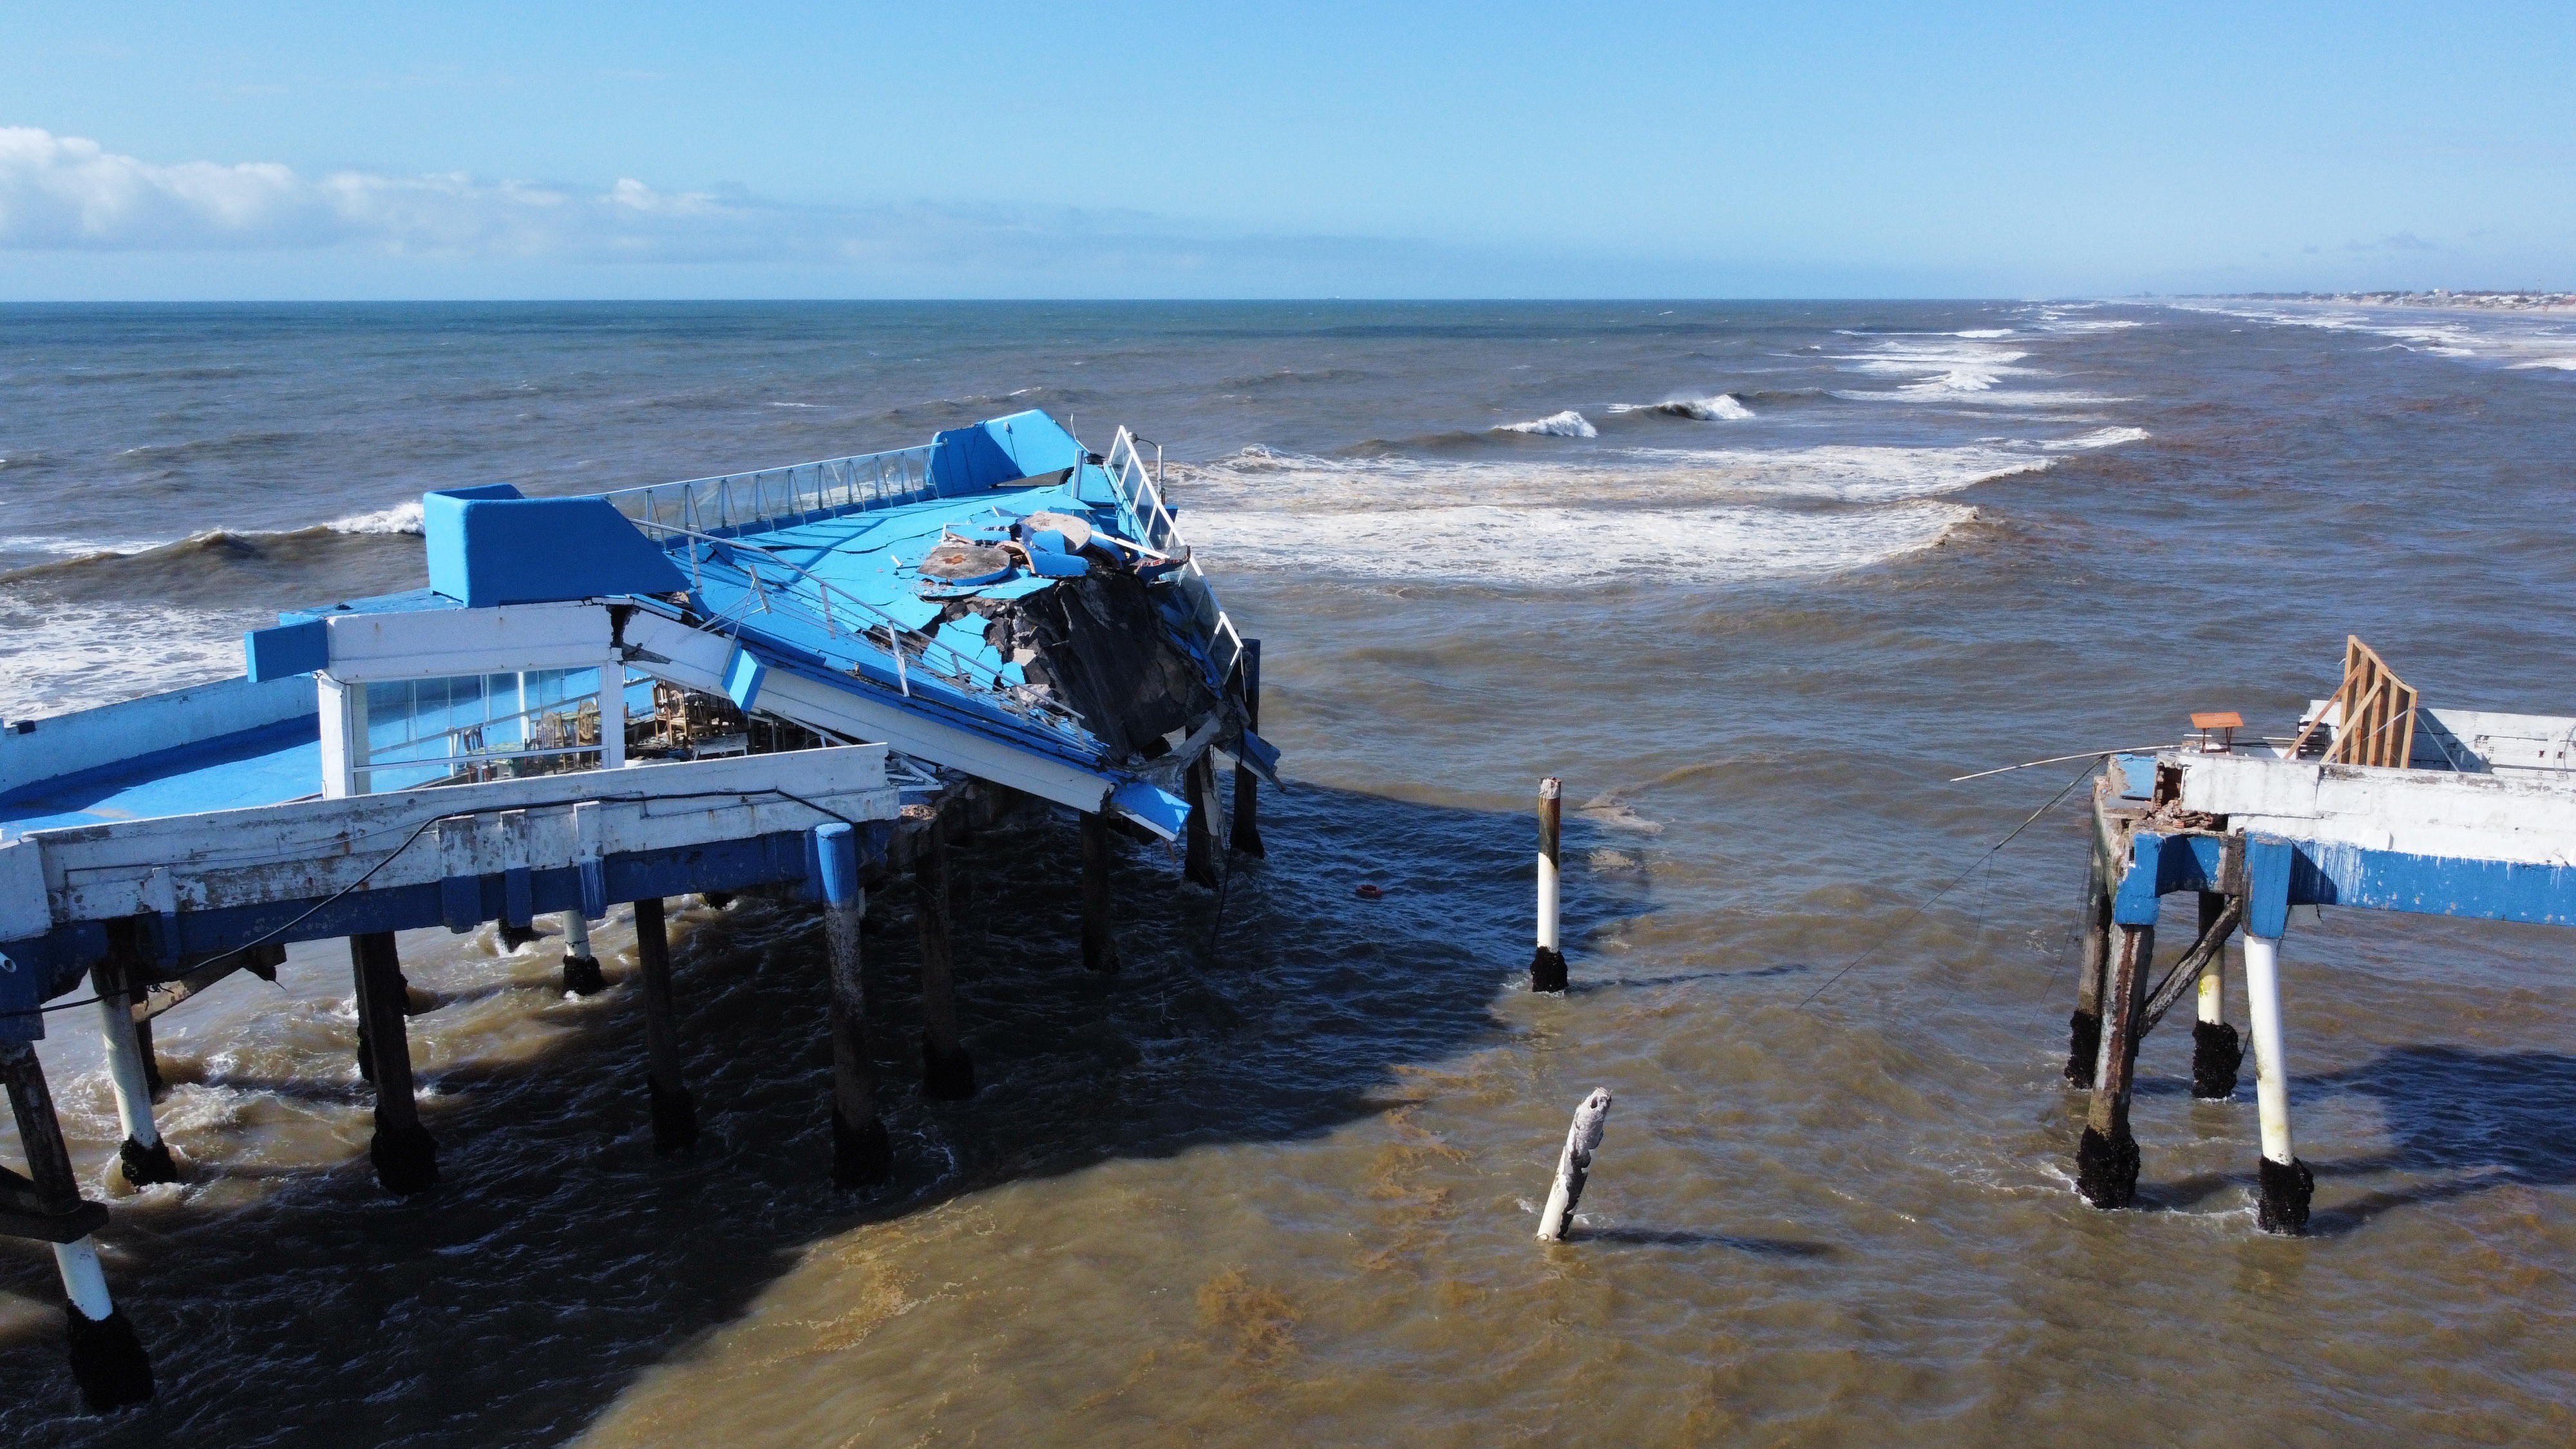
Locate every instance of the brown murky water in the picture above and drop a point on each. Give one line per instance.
(1277, 1181)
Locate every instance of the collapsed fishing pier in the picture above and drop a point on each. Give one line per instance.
(790, 682)
(2377, 802)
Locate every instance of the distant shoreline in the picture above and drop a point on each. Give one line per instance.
(2442, 300)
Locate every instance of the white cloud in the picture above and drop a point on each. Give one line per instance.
(65, 192)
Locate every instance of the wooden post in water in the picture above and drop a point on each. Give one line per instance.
(1547, 968)
(2106, 1161)
(1099, 946)
(675, 1117)
(2084, 1028)
(405, 1155)
(108, 1361)
(2285, 1185)
(2216, 1052)
(144, 1158)
(1247, 785)
(947, 1072)
(1198, 865)
(861, 1154)
(1574, 1165)
(581, 973)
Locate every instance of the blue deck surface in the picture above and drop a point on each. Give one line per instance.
(264, 766)
(873, 558)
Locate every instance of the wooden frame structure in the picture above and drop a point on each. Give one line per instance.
(2374, 712)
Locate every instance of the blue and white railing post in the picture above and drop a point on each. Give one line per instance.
(861, 1154)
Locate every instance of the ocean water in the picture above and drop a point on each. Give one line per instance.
(1755, 579)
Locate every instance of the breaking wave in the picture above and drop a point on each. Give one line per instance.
(1723, 408)
(2098, 438)
(401, 518)
(1567, 424)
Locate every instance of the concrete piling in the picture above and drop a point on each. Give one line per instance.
(1547, 967)
(1198, 862)
(144, 1158)
(1099, 946)
(2215, 1051)
(2106, 1161)
(2286, 1185)
(581, 973)
(108, 1361)
(675, 1117)
(1574, 1165)
(862, 1156)
(1247, 786)
(2084, 1027)
(947, 1072)
(405, 1155)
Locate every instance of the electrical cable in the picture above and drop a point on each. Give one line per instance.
(1910, 917)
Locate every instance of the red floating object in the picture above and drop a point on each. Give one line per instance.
(1370, 893)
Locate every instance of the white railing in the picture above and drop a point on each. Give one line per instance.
(1140, 492)
(729, 504)
(843, 615)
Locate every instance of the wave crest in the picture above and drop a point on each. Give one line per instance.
(1567, 424)
(1725, 407)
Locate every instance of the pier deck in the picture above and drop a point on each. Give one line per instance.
(2412, 809)
(788, 680)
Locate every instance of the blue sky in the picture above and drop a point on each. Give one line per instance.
(486, 150)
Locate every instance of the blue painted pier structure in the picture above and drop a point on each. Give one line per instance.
(719, 686)
(2465, 813)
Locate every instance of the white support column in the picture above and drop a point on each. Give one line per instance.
(612, 715)
(581, 973)
(125, 1072)
(83, 1283)
(2271, 1073)
(344, 738)
(144, 1158)
(2286, 1186)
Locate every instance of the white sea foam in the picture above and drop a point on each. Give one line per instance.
(55, 547)
(1699, 516)
(1985, 332)
(62, 656)
(1518, 545)
(400, 518)
(2518, 340)
(1567, 424)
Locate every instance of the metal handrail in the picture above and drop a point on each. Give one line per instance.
(963, 672)
(735, 501)
(1163, 532)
